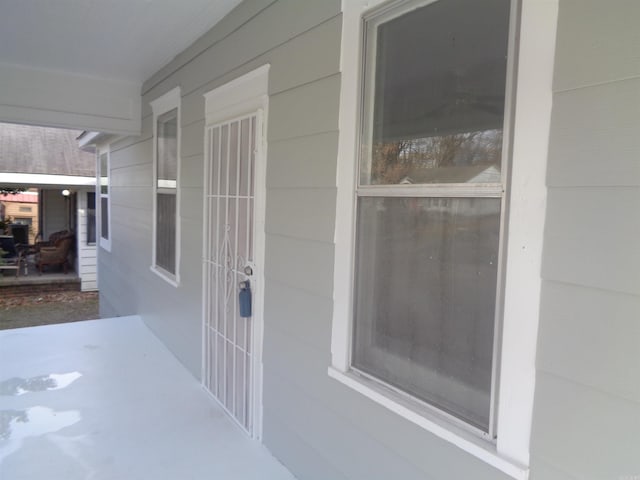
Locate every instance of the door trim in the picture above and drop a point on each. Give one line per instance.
(245, 95)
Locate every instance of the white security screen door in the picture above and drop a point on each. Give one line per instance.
(229, 260)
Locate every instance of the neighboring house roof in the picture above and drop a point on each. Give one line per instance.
(457, 174)
(41, 156)
(46, 151)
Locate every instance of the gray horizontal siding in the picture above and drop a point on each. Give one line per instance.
(305, 110)
(301, 459)
(300, 263)
(591, 237)
(134, 198)
(545, 471)
(132, 175)
(191, 207)
(583, 321)
(587, 432)
(313, 210)
(587, 403)
(609, 116)
(301, 162)
(192, 139)
(192, 171)
(301, 314)
(351, 453)
(318, 427)
(255, 33)
(597, 42)
(312, 53)
(116, 296)
(353, 420)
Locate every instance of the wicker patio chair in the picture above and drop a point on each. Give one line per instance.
(53, 238)
(55, 255)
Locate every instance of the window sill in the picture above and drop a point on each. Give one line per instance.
(481, 449)
(166, 276)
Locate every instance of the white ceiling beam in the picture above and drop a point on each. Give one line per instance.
(58, 99)
(38, 179)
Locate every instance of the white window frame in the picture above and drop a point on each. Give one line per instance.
(167, 102)
(534, 35)
(105, 243)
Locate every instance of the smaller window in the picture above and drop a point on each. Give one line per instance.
(91, 218)
(166, 225)
(104, 191)
(25, 209)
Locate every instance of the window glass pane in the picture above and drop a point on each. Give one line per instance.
(166, 232)
(435, 95)
(104, 174)
(104, 217)
(168, 149)
(91, 217)
(425, 298)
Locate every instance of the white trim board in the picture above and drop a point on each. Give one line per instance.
(243, 95)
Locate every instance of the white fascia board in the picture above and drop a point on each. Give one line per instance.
(92, 141)
(35, 179)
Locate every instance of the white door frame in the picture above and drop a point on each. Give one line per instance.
(245, 95)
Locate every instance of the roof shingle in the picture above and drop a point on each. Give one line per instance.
(42, 150)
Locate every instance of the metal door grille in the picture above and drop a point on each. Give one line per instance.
(229, 250)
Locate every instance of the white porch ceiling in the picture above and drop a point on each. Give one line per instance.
(126, 40)
(80, 64)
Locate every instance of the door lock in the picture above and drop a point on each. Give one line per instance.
(244, 297)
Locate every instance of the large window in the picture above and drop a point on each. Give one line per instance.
(435, 306)
(166, 191)
(104, 191)
(429, 203)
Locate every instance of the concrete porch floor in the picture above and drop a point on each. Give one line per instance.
(104, 399)
(52, 275)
